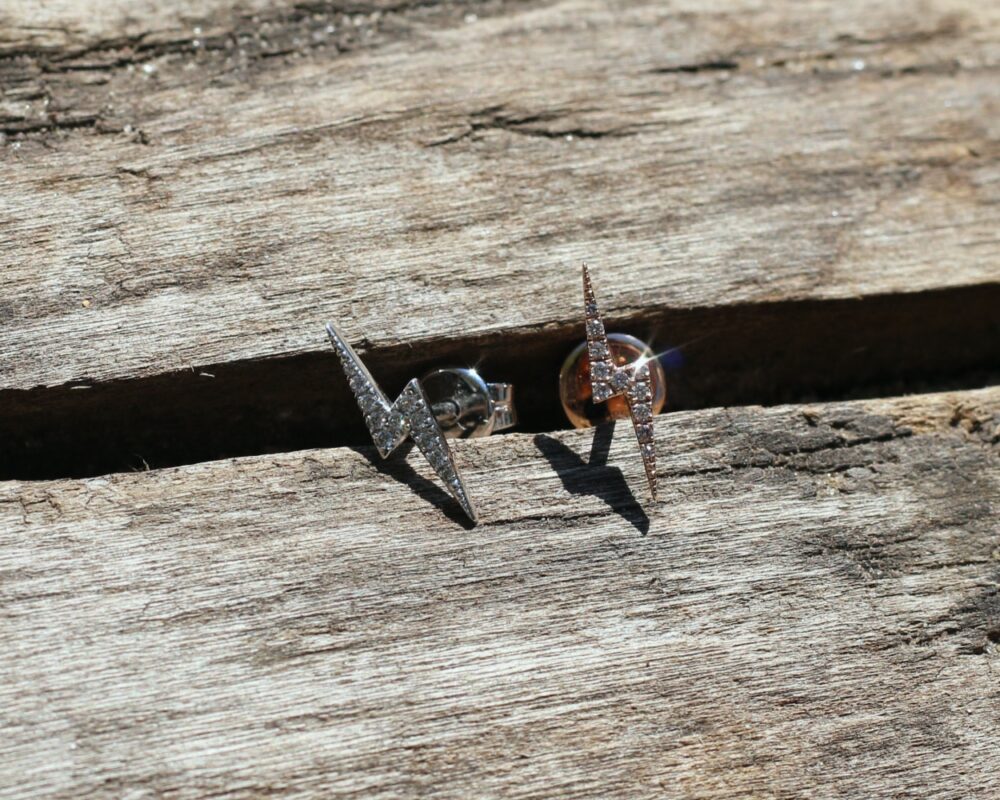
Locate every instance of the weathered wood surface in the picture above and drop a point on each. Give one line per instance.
(187, 183)
(813, 611)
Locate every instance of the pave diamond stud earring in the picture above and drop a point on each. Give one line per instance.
(621, 373)
(452, 403)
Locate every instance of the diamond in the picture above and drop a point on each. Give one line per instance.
(599, 351)
(641, 392)
(601, 391)
(620, 380)
(600, 371)
(641, 412)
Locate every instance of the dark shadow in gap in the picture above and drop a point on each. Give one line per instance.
(884, 346)
(397, 468)
(594, 477)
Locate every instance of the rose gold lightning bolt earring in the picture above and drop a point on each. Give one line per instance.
(620, 372)
(444, 404)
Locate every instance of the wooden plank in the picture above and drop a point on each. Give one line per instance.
(812, 612)
(189, 184)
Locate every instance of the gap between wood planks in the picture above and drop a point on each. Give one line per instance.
(754, 354)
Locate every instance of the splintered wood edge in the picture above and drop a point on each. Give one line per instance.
(813, 604)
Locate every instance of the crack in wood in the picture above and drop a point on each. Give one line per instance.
(299, 29)
(531, 125)
(738, 356)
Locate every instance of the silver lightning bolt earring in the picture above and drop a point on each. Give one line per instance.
(446, 403)
(621, 373)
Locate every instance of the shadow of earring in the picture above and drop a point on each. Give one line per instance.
(594, 478)
(399, 470)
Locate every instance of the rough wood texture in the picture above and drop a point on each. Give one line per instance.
(812, 612)
(189, 184)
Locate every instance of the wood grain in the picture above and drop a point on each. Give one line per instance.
(811, 612)
(201, 183)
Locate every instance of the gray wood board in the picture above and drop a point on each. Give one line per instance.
(812, 611)
(190, 184)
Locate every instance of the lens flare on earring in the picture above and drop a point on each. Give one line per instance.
(574, 382)
(620, 371)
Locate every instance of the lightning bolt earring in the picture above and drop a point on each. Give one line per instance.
(621, 373)
(446, 403)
